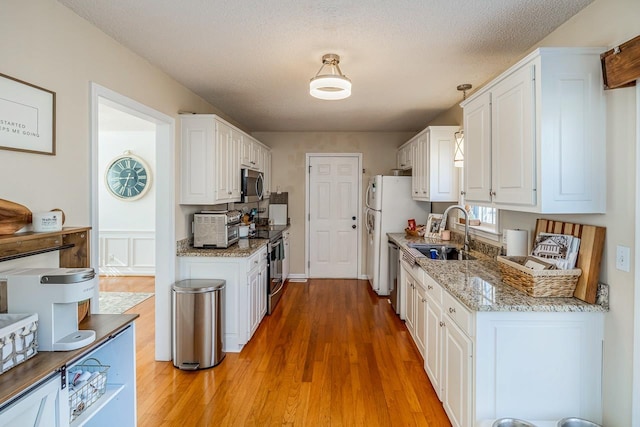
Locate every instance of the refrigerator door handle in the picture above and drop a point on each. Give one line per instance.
(366, 219)
(366, 199)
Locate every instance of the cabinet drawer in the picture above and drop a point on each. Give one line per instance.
(458, 313)
(255, 259)
(433, 290)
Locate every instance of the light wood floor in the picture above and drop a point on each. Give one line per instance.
(332, 354)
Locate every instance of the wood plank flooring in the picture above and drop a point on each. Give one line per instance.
(332, 354)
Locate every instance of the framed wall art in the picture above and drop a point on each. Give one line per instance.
(27, 117)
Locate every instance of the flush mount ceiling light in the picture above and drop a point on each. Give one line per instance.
(458, 157)
(333, 84)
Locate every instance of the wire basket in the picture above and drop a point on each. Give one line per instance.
(85, 389)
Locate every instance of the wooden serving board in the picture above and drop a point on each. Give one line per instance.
(589, 255)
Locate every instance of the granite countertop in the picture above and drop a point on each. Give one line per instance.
(241, 249)
(478, 285)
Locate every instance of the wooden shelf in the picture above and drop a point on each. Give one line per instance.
(72, 242)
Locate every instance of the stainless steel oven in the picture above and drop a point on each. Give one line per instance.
(275, 288)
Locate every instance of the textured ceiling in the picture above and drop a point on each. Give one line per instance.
(253, 59)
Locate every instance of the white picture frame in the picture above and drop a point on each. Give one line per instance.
(27, 117)
(434, 222)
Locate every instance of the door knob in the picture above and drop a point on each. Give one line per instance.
(353, 226)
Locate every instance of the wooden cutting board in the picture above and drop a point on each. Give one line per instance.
(589, 255)
(13, 216)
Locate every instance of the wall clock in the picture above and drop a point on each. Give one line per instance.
(127, 177)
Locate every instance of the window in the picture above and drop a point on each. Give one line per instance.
(489, 222)
(487, 216)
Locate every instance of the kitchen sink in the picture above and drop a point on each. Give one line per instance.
(451, 253)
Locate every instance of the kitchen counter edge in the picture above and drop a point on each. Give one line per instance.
(242, 249)
(478, 285)
(233, 251)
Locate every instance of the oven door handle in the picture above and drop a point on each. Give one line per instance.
(277, 291)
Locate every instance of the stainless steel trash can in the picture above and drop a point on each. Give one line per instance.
(198, 319)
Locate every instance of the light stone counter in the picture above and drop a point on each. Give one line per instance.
(244, 248)
(478, 284)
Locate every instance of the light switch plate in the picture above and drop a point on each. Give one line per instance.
(623, 258)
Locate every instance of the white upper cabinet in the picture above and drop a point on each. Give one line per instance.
(266, 172)
(210, 160)
(404, 158)
(251, 156)
(535, 136)
(434, 178)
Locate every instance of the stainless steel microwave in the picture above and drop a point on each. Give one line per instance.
(252, 185)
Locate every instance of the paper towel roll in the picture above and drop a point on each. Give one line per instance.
(517, 242)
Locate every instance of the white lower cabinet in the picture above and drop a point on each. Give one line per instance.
(456, 374)
(257, 291)
(415, 302)
(245, 302)
(532, 365)
(46, 404)
(433, 332)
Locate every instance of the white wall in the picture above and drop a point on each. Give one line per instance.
(44, 43)
(127, 228)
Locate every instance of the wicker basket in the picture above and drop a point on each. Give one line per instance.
(18, 339)
(418, 232)
(538, 283)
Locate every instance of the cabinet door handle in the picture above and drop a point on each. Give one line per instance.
(354, 226)
(229, 193)
(452, 310)
(462, 193)
(424, 300)
(442, 324)
(492, 193)
(430, 287)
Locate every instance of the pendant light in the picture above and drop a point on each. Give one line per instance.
(332, 85)
(458, 156)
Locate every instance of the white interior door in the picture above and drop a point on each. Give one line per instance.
(333, 215)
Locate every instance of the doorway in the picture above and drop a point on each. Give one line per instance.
(164, 183)
(333, 201)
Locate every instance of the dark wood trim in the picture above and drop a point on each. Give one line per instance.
(621, 65)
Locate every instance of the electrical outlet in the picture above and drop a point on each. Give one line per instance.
(623, 255)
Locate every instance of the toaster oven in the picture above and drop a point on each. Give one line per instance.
(216, 229)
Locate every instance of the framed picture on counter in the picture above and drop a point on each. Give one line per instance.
(433, 224)
(27, 117)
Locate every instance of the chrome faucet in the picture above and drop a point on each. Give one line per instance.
(443, 224)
